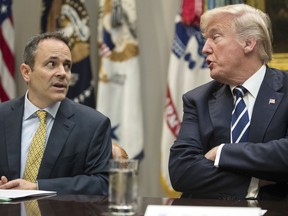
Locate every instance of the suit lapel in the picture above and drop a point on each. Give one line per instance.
(59, 134)
(219, 105)
(13, 128)
(268, 99)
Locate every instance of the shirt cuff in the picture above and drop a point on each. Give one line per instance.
(253, 189)
(37, 186)
(216, 162)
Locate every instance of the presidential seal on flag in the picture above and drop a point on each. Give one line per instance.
(72, 18)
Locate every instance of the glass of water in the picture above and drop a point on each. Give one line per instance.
(123, 186)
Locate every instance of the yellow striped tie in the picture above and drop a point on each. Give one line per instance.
(32, 208)
(36, 149)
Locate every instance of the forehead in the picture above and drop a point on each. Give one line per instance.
(219, 24)
(53, 47)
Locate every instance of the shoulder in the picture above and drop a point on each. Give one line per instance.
(71, 108)
(276, 73)
(204, 91)
(12, 104)
(275, 78)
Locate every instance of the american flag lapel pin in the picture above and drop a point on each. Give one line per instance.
(272, 101)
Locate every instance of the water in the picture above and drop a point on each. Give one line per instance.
(123, 191)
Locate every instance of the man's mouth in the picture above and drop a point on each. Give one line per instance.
(209, 63)
(60, 85)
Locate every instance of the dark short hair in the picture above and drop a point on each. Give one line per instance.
(32, 45)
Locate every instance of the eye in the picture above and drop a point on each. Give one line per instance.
(51, 64)
(67, 66)
(217, 36)
(214, 37)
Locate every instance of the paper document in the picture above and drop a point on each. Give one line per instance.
(6, 195)
(164, 210)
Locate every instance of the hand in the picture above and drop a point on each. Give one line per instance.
(211, 155)
(17, 184)
(3, 180)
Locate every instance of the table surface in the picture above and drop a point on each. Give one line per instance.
(72, 205)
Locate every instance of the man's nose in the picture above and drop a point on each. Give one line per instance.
(61, 71)
(206, 48)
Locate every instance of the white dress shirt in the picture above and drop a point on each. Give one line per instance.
(252, 85)
(30, 123)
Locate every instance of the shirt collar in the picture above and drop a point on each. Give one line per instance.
(254, 82)
(30, 108)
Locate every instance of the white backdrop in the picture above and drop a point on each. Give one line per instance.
(155, 32)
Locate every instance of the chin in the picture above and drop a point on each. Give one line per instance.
(59, 98)
(219, 79)
(214, 76)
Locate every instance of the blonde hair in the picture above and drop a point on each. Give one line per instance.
(248, 22)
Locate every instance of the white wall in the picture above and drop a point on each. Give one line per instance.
(155, 32)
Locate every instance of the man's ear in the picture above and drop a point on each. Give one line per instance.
(249, 45)
(25, 71)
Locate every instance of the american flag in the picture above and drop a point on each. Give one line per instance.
(7, 81)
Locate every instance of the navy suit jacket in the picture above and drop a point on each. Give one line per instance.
(77, 152)
(206, 124)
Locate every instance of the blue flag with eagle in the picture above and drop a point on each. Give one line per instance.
(119, 95)
(71, 17)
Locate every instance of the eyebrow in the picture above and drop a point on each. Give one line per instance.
(57, 58)
(68, 62)
(214, 30)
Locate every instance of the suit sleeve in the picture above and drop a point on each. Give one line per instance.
(262, 160)
(94, 177)
(265, 155)
(190, 172)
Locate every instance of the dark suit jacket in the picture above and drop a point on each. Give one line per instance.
(77, 152)
(206, 124)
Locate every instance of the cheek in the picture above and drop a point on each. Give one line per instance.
(234, 50)
(68, 76)
(230, 57)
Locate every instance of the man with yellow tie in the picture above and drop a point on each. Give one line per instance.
(47, 141)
